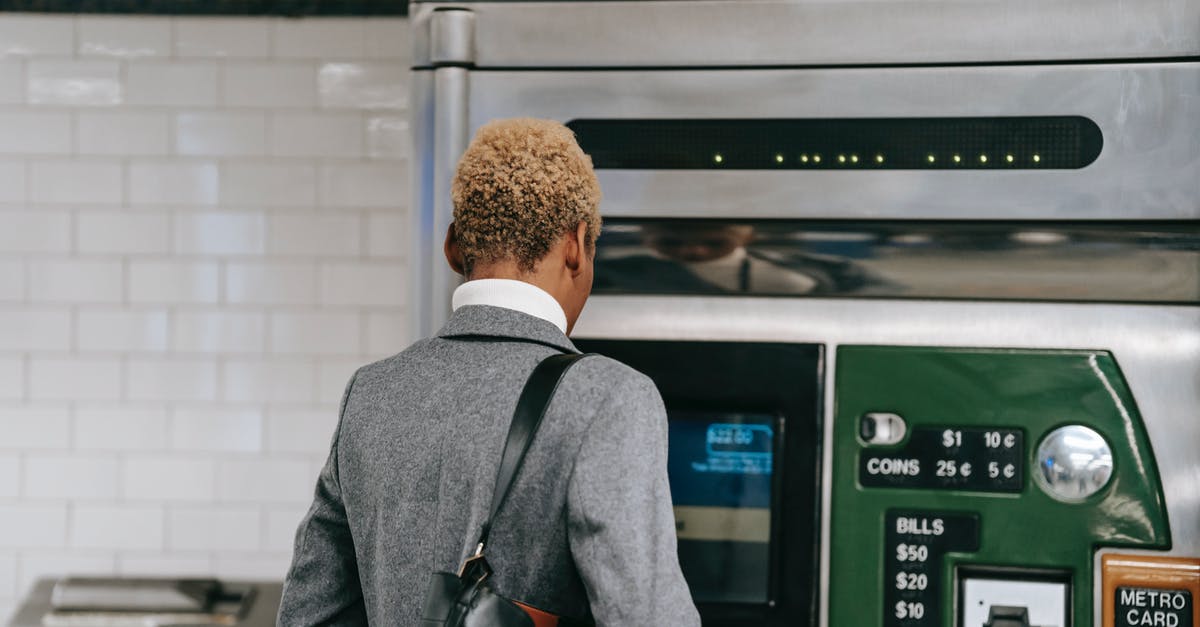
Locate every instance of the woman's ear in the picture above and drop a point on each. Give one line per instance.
(577, 248)
(454, 255)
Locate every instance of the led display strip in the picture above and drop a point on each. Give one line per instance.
(993, 143)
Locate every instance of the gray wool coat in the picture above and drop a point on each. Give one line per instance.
(587, 532)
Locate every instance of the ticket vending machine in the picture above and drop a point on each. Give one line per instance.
(919, 283)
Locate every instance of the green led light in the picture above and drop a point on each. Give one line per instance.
(1008, 158)
(983, 158)
(1037, 158)
(804, 158)
(853, 158)
(816, 158)
(717, 158)
(841, 158)
(878, 158)
(958, 158)
(930, 158)
(778, 158)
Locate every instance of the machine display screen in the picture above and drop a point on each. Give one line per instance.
(721, 468)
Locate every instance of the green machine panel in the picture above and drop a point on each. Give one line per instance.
(937, 517)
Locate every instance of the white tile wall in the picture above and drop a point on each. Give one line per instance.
(107, 36)
(168, 479)
(32, 132)
(171, 83)
(122, 133)
(201, 238)
(90, 82)
(79, 477)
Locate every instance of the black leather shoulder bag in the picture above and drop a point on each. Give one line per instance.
(466, 599)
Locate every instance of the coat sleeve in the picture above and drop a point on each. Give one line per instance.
(621, 525)
(322, 586)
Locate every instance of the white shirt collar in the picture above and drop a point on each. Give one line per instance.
(509, 294)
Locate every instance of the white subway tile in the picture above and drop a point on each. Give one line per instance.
(12, 280)
(282, 525)
(388, 137)
(34, 427)
(387, 333)
(195, 529)
(10, 488)
(74, 83)
(388, 38)
(266, 184)
(124, 36)
(312, 234)
(271, 283)
(91, 182)
(74, 378)
(37, 35)
(220, 233)
(122, 133)
(301, 430)
(28, 526)
(370, 284)
(120, 428)
(179, 183)
(117, 527)
(73, 476)
(270, 85)
(315, 333)
(12, 378)
(217, 429)
(168, 479)
(12, 82)
(269, 380)
(35, 329)
(172, 380)
(173, 282)
(265, 481)
(319, 38)
(121, 330)
(166, 565)
(317, 135)
(259, 566)
(171, 83)
(220, 134)
(126, 232)
(370, 85)
(35, 132)
(35, 232)
(8, 580)
(332, 377)
(56, 564)
(71, 281)
(219, 332)
(245, 37)
(382, 184)
(13, 179)
(387, 234)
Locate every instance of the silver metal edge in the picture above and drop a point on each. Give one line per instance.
(814, 32)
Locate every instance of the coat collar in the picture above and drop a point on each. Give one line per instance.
(486, 321)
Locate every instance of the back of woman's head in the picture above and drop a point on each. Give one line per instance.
(521, 185)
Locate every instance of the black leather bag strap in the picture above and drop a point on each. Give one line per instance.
(531, 407)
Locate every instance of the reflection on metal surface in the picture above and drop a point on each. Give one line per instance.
(1073, 463)
(1093, 262)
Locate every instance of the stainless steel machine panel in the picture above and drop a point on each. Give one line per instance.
(817, 32)
(1146, 168)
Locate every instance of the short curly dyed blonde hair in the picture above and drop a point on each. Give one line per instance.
(522, 184)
